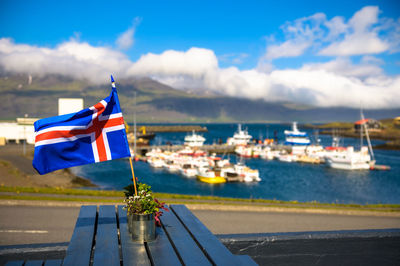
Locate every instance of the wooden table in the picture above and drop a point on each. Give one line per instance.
(101, 237)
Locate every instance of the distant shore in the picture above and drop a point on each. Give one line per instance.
(389, 133)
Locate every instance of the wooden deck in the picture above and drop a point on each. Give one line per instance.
(101, 237)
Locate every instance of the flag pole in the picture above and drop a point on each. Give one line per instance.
(130, 157)
(133, 176)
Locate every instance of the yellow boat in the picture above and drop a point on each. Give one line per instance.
(208, 176)
(308, 159)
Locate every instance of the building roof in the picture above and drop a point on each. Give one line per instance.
(362, 121)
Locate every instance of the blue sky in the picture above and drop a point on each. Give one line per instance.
(251, 47)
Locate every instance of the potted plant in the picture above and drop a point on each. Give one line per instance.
(143, 212)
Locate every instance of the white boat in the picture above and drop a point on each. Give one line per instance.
(348, 159)
(230, 174)
(296, 137)
(267, 153)
(288, 158)
(244, 151)
(188, 170)
(156, 162)
(248, 175)
(194, 140)
(241, 137)
(171, 166)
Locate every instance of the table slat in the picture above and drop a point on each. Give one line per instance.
(15, 263)
(80, 246)
(189, 251)
(161, 250)
(107, 250)
(210, 244)
(133, 253)
(34, 263)
(52, 262)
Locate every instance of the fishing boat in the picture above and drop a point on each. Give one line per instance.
(208, 175)
(296, 137)
(230, 174)
(188, 170)
(287, 158)
(241, 137)
(194, 140)
(248, 175)
(244, 151)
(267, 153)
(349, 159)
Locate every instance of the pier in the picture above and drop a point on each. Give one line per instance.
(172, 128)
(214, 148)
(220, 149)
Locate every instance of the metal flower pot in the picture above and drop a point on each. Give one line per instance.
(142, 227)
(129, 221)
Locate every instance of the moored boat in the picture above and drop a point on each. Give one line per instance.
(194, 140)
(241, 137)
(349, 159)
(248, 175)
(207, 175)
(296, 137)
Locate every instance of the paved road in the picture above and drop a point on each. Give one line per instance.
(231, 222)
(34, 224)
(30, 224)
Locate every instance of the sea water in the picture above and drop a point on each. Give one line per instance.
(281, 181)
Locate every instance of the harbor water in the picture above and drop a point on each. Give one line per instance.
(281, 181)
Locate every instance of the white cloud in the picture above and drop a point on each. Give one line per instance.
(300, 36)
(234, 58)
(195, 62)
(344, 67)
(360, 37)
(72, 58)
(364, 33)
(126, 39)
(290, 48)
(339, 82)
(335, 83)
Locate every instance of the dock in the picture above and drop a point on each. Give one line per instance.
(214, 148)
(219, 149)
(172, 128)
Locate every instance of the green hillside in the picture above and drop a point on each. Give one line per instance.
(157, 102)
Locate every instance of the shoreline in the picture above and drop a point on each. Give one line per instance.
(16, 170)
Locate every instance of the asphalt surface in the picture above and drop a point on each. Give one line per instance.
(39, 224)
(233, 222)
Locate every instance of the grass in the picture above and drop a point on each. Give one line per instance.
(117, 197)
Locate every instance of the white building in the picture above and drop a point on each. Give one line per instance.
(69, 105)
(18, 131)
(23, 128)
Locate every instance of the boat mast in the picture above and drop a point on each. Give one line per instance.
(368, 140)
(361, 128)
(134, 125)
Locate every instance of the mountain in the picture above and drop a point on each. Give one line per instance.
(157, 102)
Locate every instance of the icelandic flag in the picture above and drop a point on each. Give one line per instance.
(95, 134)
